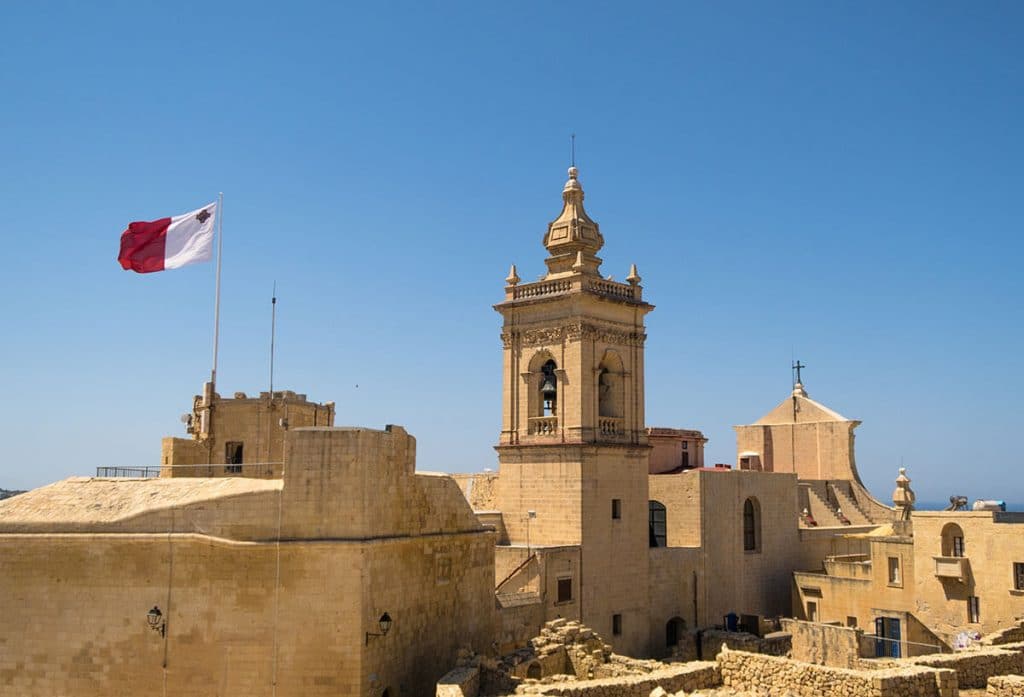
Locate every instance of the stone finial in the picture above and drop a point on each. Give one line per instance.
(574, 183)
(577, 265)
(903, 497)
(798, 390)
(633, 278)
(513, 277)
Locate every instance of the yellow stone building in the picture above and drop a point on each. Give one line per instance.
(933, 581)
(277, 554)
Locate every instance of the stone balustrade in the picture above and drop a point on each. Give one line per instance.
(610, 427)
(599, 286)
(543, 425)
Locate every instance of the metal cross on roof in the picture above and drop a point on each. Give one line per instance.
(797, 367)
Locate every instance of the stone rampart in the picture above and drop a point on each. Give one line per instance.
(758, 672)
(1006, 686)
(688, 677)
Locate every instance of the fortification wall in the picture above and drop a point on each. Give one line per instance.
(73, 616)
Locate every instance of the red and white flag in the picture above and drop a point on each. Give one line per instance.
(169, 243)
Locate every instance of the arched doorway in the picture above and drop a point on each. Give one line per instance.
(533, 671)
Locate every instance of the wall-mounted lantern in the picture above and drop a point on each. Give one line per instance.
(155, 620)
(385, 625)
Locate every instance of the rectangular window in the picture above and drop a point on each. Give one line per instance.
(233, 457)
(973, 609)
(1018, 576)
(616, 508)
(851, 621)
(812, 611)
(894, 571)
(958, 546)
(684, 445)
(564, 590)
(616, 625)
(656, 524)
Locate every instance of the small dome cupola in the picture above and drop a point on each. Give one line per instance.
(573, 234)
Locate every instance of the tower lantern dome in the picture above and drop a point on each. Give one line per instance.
(573, 234)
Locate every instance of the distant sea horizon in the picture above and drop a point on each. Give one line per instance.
(941, 505)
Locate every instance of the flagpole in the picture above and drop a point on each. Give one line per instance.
(216, 302)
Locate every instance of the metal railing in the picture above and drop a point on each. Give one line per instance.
(893, 649)
(212, 468)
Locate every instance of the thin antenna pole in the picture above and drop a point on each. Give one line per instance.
(273, 328)
(572, 147)
(216, 301)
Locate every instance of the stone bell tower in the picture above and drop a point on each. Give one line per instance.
(573, 449)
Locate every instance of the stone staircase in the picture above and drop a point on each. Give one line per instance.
(848, 506)
(816, 505)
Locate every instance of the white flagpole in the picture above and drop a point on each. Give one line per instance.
(216, 302)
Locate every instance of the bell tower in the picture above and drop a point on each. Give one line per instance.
(573, 448)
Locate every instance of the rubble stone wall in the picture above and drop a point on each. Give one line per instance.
(756, 672)
(688, 677)
(1006, 686)
(974, 668)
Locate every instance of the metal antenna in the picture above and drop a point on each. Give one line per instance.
(572, 157)
(273, 328)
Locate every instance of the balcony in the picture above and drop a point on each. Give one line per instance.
(543, 426)
(952, 567)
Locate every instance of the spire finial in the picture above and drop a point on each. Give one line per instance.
(633, 278)
(513, 277)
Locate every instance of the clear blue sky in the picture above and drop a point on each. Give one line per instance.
(837, 182)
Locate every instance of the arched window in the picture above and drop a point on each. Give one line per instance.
(657, 519)
(952, 540)
(548, 389)
(751, 525)
(609, 386)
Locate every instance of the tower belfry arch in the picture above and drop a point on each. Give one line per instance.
(573, 445)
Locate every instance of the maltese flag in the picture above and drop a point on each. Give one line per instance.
(169, 243)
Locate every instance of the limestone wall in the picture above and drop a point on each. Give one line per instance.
(1006, 686)
(824, 644)
(361, 535)
(73, 617)
(713, 641)
(748, 671)
(688, 677)
(974, 668)
(463, 681)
